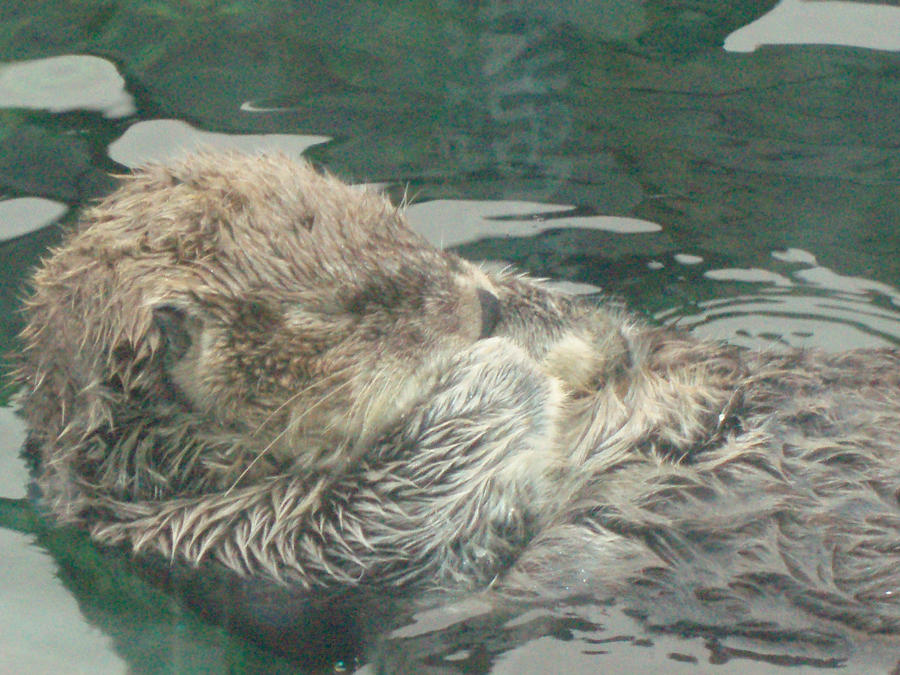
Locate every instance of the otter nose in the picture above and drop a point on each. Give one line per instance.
(490, 312)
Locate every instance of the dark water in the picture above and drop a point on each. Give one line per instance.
(730, 166)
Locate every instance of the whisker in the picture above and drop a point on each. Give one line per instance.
(282, 433)
(293, 397)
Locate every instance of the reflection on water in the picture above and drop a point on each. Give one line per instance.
(448, 223)
(41, 627)
(163, 140)
(63, 83)
(592, 638)
(44, 632)
(771, 317)
(818, 308)
(828, 22)
(27, 214)
(614, 147)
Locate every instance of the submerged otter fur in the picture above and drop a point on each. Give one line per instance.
(240, 360)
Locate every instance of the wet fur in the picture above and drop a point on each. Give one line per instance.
(239, 360)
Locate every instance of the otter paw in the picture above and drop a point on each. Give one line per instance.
(586, 363)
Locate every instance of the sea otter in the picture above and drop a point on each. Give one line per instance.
(241, 361)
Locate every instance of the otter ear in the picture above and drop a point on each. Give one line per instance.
(177, 329)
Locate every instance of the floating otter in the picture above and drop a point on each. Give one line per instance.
(239, 360)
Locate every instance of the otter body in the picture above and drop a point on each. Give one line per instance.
(238, 360)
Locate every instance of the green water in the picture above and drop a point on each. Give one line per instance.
(749, 193)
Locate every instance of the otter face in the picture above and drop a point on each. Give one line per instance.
(322, 364)
(255, 297)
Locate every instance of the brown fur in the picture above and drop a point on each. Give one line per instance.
(240, 360)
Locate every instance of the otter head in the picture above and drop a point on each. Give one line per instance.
(249, 300)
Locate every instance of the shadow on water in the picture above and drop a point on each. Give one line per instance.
(747, 193)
